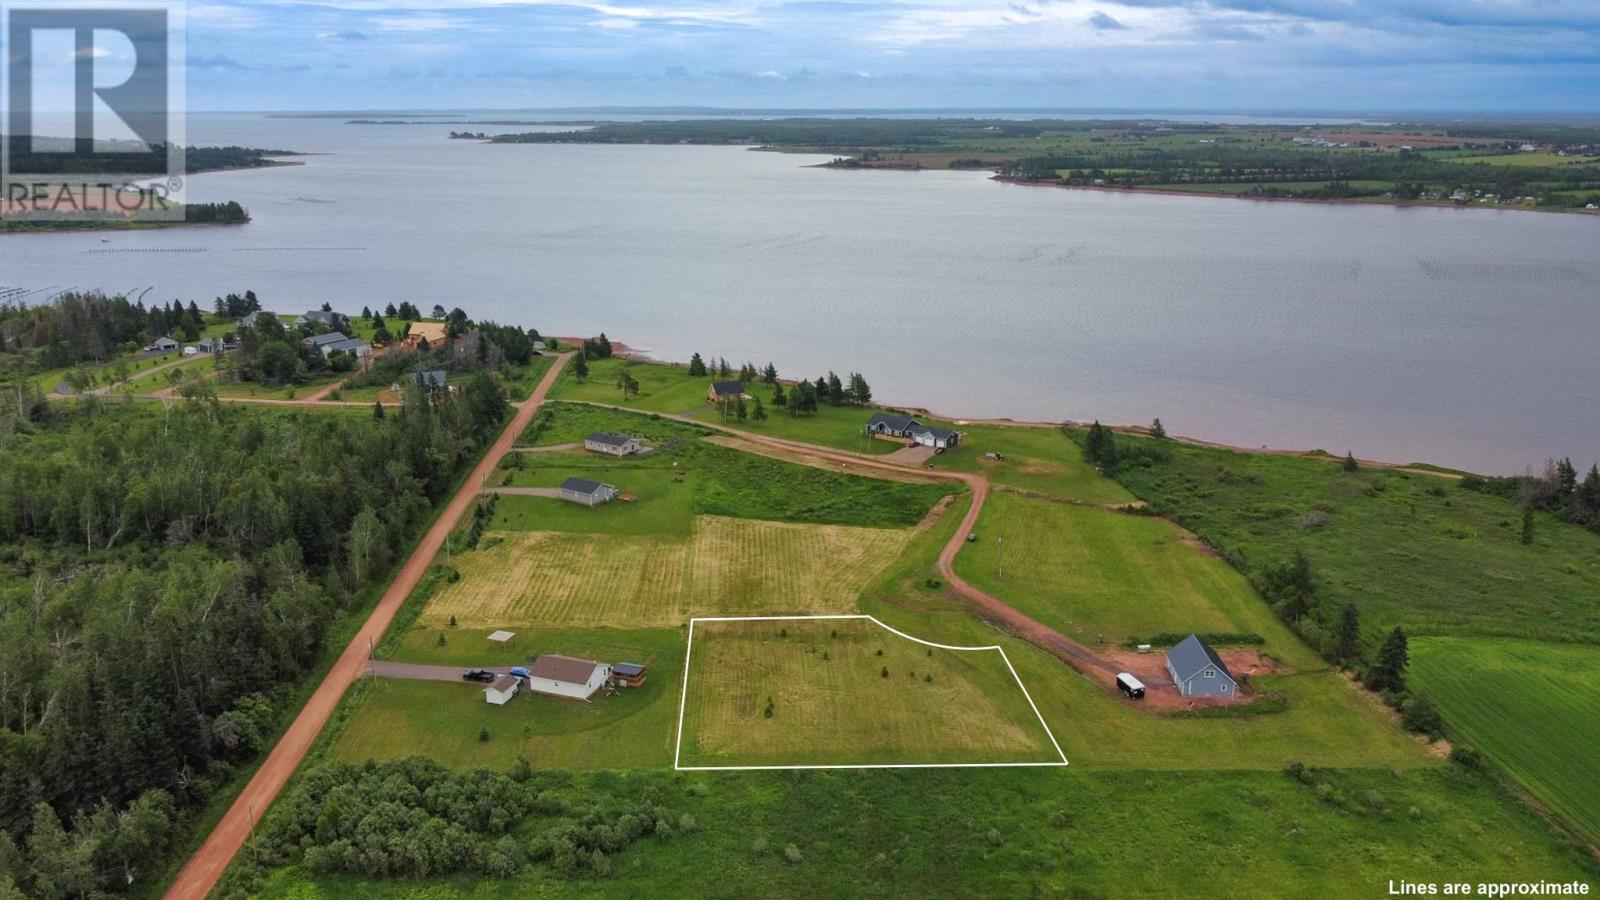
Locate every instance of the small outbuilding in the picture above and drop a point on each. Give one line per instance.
(164, 345)
(1198, 671)
(612, 444)
(586, 492)
(564, 676)
(503, 689)
(629, 675)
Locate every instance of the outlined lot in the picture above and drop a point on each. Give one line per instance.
(849, 692)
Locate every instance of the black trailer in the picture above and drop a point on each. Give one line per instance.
(1130, 686)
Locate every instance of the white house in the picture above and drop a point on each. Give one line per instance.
(612, 444)
(563, 676)
(503, 689)
(589, 493)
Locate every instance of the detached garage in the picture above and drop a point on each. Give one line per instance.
(563, 676)
(502, 690)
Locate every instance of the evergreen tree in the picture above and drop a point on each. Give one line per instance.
(604, 343)
(835, 390)
(723, 369)
(377, 410)
(1566, 479)
(366, 312)
(1157, 430)
(580, 369)
(1527, 526)
(1350, 464)
(390, 311)
(1348, 642)
(778, 398)
(770, 376)
(860, 391)
(1389, 672)
(741, 410)
(697, 367)
(760, 413)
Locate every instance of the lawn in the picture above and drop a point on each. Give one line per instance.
(255, 390)
(396, 718)
(149, 381)
(724, 566)
(1533, 708)
(847, 692)
(1094, 574)
(1039, 459)
(662, 388)
(1007, 833)
(1407, 548)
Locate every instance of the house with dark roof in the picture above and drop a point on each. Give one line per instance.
(317, 317)
(612, 444)
(586, 492)
(907, 428)
(354, 346)
(626, 674)
(564, 676)
(322, 340)
(725, 391)
(1198, 671)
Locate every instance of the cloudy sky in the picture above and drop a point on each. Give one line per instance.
(1315, 55)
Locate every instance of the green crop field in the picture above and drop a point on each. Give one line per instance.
(395, 718)
(1533, 708)
(847, 692)
(1093, 573)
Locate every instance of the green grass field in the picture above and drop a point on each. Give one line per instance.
(1533, 708)
(1040, 459)
(1093, 573)
(396, 718)
(662, 388)
(1007, 833)
(1406, 548)
(847, 692)
(1327, 720)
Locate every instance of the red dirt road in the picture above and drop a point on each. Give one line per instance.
(203, 870)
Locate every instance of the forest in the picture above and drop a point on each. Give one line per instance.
(195, 160)
(169, 575)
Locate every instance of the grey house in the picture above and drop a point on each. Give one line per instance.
(164, 344)
(589, 493)
(319, 316)
(903, 426)
(320, 341)
(1198, 671)
(354, 346)
(612, 444)
(434, 381)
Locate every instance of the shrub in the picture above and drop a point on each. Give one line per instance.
(1059, 818)
(1296, 769)
(686, 823)
(1466, 756)
(1420, 715)
(483, 735)
(885, 672)
(759, 846)
(792, 853)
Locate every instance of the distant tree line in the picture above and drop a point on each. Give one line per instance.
(89, 327)
(1556, 490)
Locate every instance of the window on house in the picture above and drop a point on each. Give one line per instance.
(1211, 673)
(1224, 689)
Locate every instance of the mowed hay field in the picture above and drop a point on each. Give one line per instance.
(833, 704)
(724, 567)
(1533, 708)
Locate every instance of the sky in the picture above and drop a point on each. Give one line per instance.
(1469, 56)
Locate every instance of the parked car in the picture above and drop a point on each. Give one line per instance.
(478, 675)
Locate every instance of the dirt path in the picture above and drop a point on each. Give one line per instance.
(203, 870)
(104, 390)
(420, 672)
(528, 491)
(552, 448)
(987, 605)
(320, 394)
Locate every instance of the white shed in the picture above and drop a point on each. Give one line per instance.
(503, 689)
(563, 676)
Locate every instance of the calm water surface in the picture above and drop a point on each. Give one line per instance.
(1465, 338)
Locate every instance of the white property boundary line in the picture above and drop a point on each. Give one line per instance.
(683, 700)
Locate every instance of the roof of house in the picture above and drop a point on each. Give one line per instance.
(563, 668)
(331, 337)
(609, 439)
(348, 345)
(250, 319)
(504, 683)
(433, 378)
(317, 315)
(627, 670)
(164, 339)
(919, 428)
(1193, 655)
(432, 332)
(583, 486)
(891, 421)
(727, 388)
